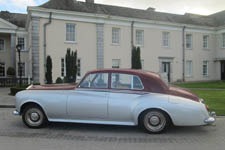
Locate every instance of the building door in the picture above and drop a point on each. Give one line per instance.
(166, 69)
(222, 70)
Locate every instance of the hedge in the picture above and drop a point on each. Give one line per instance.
(16, 89)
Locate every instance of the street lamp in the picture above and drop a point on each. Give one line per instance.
(19, 47)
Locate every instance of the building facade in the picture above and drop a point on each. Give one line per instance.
(184, 47)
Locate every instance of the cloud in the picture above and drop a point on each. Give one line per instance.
(23, 3)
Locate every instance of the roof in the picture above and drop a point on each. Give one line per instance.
(72, 5)
(219, 18)
(128, 71)
(14, 18)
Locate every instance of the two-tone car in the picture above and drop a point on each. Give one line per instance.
(114, 97)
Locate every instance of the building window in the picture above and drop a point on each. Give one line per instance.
(205, 41)
(79, 67)
(2, 45)
(142, 63)
(70, 32)
(116, 63)
(165, 39)
(2, 69)
(205, 68)
(115, 36)
(188, 68)
(63, 67)
(189, 41)
(140, 37)
(22, 69)
(223, 40)
(21, 41)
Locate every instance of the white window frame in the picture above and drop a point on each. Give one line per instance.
(71, 36)
(139, 40)
(24, 46)
(79, 77)
(189, 71)
(206, 42)
(223, 40)
(119, 62)
(4, 45)
(142, 64)
(4, 70)
(166, 38)
(116, 36)
(205, 62)
(191, 41)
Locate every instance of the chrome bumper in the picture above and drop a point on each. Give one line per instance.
(211, 119)
(15, 112)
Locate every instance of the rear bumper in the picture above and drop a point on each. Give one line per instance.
(211, 119)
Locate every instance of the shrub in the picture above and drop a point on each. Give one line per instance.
(136, 58)
(71, 66)
(11, 71)
(16, 89)
(59, 80)
(48, 74)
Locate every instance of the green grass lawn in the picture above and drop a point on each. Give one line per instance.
(215, 99)
(213, 85)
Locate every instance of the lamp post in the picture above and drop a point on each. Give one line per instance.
(18, 47)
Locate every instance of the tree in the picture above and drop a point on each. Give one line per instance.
(48, 74)
(136, 58)
(71, 66)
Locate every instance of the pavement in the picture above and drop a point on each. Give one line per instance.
(66, 136)
(6, 100)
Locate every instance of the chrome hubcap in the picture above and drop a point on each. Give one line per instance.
(34, 116)
(154, 120)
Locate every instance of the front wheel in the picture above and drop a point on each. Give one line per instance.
(34, 117)
(154, 121)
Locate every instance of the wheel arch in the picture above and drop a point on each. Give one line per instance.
(29, 103)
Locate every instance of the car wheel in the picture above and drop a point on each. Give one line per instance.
(34, 117)
(154, 121)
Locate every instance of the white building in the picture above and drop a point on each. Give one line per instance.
(103, 36)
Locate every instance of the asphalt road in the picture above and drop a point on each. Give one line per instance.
(62, 136)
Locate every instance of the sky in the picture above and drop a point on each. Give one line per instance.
(202, 7)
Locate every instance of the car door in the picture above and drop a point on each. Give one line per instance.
(90, 99)
(124, 92)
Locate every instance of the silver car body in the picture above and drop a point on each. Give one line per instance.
(116, 107)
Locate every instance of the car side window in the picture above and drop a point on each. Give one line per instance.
(96, 80)
(126, 81)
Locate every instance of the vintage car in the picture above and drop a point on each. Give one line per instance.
(116, 97)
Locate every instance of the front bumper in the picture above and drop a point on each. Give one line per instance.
(211, 119)
(15, 112)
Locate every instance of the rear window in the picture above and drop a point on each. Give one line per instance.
(126, 81)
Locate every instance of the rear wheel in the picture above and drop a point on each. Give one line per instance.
(154, 121)
(34, 117)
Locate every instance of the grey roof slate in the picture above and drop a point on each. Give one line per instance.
(14, 18)
(78, 6)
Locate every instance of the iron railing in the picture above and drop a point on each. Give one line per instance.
(9, 82)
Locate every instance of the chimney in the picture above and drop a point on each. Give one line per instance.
(150, 9)
(90, 1)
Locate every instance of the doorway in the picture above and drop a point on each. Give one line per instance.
(222, 70)
(166, 69)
